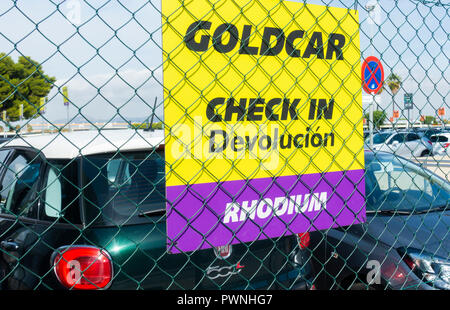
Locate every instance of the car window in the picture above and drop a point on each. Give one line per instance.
(53, 194)
(430, 133)
(113, 169)
(394, 183)
(439, 139)
(61, 192)
(119, 187)
(398, 137)
(3, 155)
(412, 137)
(380, 138)
(20, 184)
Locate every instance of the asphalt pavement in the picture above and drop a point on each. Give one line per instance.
(439, 164)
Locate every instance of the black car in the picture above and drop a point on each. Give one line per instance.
(96, 220)
(405, 242)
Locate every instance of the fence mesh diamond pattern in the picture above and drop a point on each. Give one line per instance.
(247, 144)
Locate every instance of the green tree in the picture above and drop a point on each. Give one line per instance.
(379, 117)
(24, 83)
(429, 120)
(394, 82)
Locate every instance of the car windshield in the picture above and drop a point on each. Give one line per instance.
(119, 187)
(393, 183)
(380, 138)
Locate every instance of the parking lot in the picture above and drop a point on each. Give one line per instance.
(224, 145)
(438, 164)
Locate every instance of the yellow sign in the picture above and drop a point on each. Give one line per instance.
(256, 90)
(246, 80)
(65, 93)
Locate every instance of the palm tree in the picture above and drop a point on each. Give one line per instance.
(394, 82)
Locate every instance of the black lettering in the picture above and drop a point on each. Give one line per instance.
(271, 116)
(218, 34)
(245, 48)
(297, 143)
(324, 109)
(250, 144)
(192, 30)
(283, 143)
(315, 46)
(290, 49)
(289, 108)
(331, 135)
(268, 144)
(212, 140)
(237, 141)
(275, 138)
(255, 106)
(318, 137)
(307, 136)
(334, 47)
(266, 48)
(232, 109)
(211, 109)
(312, 109)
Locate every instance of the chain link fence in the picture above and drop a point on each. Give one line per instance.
(224, 144)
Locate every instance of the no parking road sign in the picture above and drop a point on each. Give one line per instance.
(372, 75)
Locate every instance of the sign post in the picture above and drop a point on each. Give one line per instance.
(408, 102)
(65, 93)
(372, 74)
(441, 112)
(371, 100)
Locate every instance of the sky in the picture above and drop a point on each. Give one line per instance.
(108, 52)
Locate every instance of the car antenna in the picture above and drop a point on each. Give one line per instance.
(150, 126)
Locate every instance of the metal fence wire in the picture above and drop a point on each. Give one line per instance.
(245, 144)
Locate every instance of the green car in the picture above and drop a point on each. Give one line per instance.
(86, 210)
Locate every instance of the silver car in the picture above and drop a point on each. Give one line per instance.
(406, 144)
(441, 143)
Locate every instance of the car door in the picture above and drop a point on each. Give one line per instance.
(440, 143)
(18, 212)
(413, 144)
(396, 145)
(125, 210)
(33, 222)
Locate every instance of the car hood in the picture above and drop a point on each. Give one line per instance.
(425, 232)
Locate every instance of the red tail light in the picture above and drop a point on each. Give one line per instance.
(83, 267)
(446, 145)
(409, 261)
(303, 240)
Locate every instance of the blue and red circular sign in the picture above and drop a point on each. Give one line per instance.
(372, 75)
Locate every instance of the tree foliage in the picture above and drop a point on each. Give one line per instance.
(24, 83)
(394, 82)
(379, 117)
(429, 120)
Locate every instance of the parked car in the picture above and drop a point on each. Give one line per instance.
(6, 137)
(441, 143)
(407, 144)
(86, 210)
(428, 132)
(405, 242)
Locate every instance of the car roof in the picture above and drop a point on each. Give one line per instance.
(67, 145)
(447, 134)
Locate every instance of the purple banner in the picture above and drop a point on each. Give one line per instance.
(202, 216)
